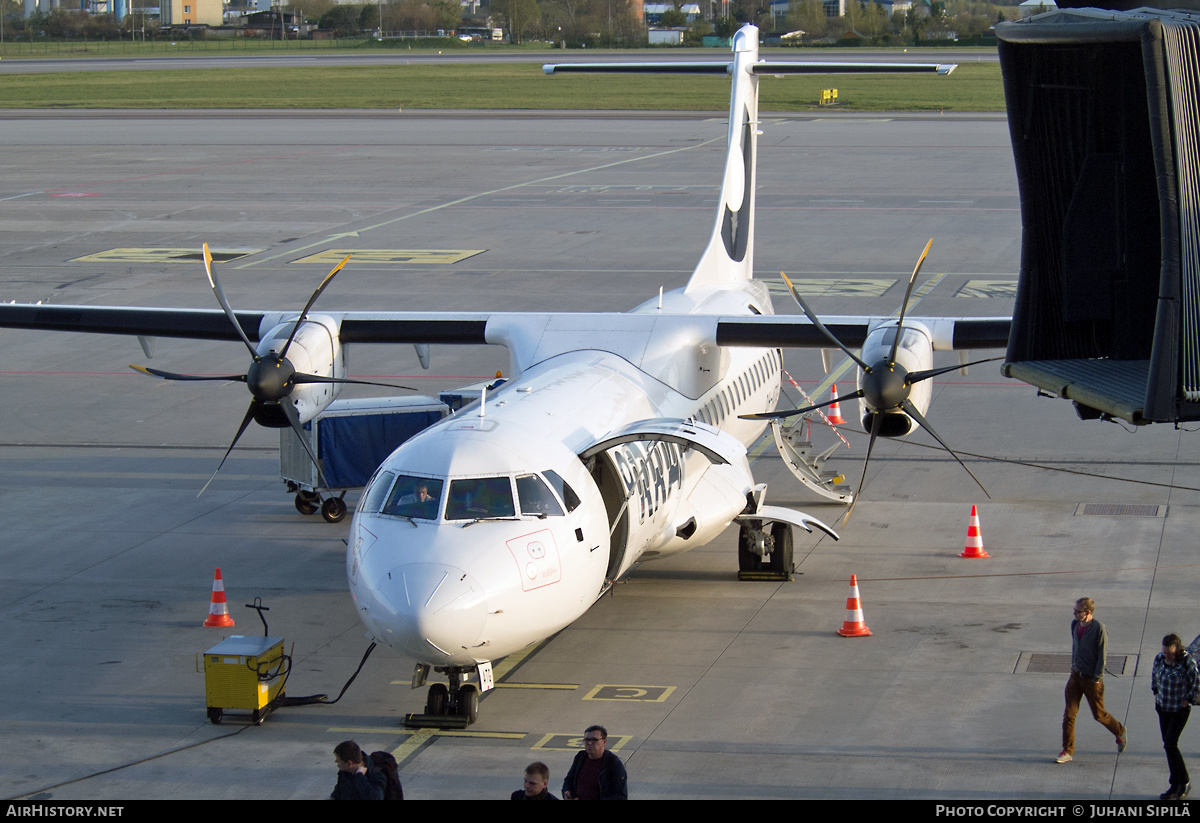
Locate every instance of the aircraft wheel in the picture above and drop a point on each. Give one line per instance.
(333, 510)
(468, 703)
(306, 504)
(435, 703)
(748, 561)
(781, 556)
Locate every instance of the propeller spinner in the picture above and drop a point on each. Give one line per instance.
(271, 377)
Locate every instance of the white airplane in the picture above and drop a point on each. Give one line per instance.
(617, 438)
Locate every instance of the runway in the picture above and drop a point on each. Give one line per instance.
(710, 688)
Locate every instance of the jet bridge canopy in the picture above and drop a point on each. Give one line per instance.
(1103, 113)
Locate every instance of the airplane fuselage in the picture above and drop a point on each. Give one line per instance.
(517, 535)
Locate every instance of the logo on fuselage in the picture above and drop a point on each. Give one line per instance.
(651, 473)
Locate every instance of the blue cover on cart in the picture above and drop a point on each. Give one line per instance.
(351, 447)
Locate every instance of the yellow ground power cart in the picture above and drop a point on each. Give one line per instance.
(245, 674)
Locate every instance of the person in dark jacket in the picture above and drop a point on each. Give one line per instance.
(1176, 684)
(1089, 653)
(596, 774)
(537, 778)
(357, 779)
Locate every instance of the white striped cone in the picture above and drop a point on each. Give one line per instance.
(853, 625)
(835, 410)
(218, 609)
(974, 547)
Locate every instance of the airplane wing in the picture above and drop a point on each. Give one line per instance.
(212, 324)
(472, 328)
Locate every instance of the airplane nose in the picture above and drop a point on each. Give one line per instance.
(439, 608)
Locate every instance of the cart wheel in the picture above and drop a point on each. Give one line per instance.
(305, 504)
(214, 715)
(333, 509)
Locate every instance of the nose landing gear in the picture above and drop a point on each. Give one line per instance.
(447, 706)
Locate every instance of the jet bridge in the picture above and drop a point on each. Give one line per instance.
(1104, 114)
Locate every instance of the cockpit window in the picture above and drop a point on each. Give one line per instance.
(535, 496)
(564, 491)
(414, 497)
(478, 498)
(376, 491)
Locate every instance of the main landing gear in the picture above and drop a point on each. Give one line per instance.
(764, 553)
(453, 705)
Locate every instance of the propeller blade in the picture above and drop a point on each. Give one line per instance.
(918, 376)
(904, 304)
(300, 377)
(216, 287)
(816, 321)
(166, 375)
(876, 422)
(912, 411)
(778, 414)
(293, 417)
(241, 430)
(309, 304)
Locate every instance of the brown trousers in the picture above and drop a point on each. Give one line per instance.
(1080, 686)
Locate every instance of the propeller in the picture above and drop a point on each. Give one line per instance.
(271, 377)
(886, 385)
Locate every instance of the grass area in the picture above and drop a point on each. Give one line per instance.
(973, 87)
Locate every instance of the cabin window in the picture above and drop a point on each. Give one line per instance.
(568, 495)
(479, 498)
(418, 497)
(536, 499)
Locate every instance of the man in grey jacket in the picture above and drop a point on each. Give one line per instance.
(1089, 653)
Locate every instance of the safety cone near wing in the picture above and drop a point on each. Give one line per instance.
(835, 409)
(974, 546)
(218, 609)
(853, 625)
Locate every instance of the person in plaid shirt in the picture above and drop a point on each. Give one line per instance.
(1175, 683)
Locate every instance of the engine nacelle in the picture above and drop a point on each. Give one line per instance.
(915, 353)
(317, 349)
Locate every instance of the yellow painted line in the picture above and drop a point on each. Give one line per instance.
(390, 257)
(483, 194)
(981, 287)
(409, 747)
(424, 733)
(162, 255)
(637, 694)
(834, 286)
(560, 686)
(559, 742)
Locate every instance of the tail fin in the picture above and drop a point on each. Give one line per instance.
(729, 257)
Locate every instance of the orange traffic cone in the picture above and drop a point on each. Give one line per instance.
(853, 625)
(218, 610)
(835, 411)
(974, 547)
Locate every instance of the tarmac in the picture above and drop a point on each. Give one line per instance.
(709, 687)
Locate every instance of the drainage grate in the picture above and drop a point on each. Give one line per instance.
(1120, 510)
(1060, 663)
